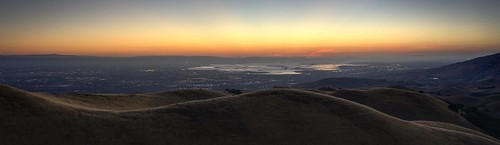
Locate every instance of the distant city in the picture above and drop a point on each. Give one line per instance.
(66, 75)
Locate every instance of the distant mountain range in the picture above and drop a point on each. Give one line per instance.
(472, 71)
(479, 78)
(480, 73)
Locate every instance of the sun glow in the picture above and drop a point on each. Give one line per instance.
(225, 30)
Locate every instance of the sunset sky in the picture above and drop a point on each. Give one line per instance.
(247, 28)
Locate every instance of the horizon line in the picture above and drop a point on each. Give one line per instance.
(265, 56)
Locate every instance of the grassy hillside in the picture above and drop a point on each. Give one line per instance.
(454, 127)
(406, 105)
(489, 104)
(264, 117)
(133, 101)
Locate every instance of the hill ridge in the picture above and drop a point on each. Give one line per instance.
(278, 116)
(404, 104)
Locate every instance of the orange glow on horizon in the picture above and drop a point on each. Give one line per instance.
(234, 29)
(240, 40)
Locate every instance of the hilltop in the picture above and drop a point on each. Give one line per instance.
(133, 101)
(280, 116)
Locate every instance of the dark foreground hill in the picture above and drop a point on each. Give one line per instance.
(406, 105)
(489, 104)
(262, 117)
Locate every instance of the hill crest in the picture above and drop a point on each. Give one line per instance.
(280, 116)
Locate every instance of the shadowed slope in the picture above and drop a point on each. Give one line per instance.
(489, 104)
(405, 105)
(19, 101)
(263, 117)
(453, 127)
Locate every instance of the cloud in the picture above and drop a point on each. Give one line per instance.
(321, 52)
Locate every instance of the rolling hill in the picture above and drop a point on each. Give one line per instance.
(471, 71)
(475, 77)
(489, 104)
(406, 105)
(449, 126)
(281, 116)
(133, 101)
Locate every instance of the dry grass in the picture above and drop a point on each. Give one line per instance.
(263, 117)
(406, 105)
(123, 102)
(453, 127)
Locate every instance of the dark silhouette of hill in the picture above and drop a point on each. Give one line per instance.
(472, 89)
(346, 82)
(471, 71)
(406, 105)
(476, 77)
(489, 104)
(454, 127)
(478, 69)
(281, 116)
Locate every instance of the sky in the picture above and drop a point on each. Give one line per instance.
(247, 28)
